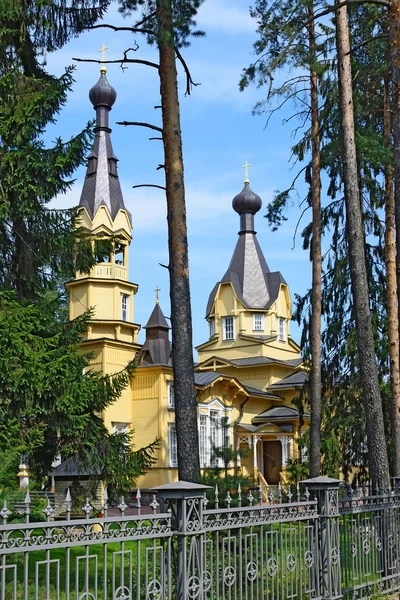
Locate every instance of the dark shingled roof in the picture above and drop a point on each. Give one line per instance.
(278, 413)
(156, 349)
(248, 271)
(256, 392)
(101, 185)
(295, 380)
(264, 360)
(69, 468)
(205, 378)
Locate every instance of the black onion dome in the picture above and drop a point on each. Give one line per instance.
(247, 201)
(102, 94)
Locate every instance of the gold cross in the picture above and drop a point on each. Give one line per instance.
(103, 57)
(156, 291)
(246, 171)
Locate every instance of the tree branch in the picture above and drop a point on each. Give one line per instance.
(329, 9)
(189, 80)
(153, 185)
(121, 61)
(140, 124)
(131, 29)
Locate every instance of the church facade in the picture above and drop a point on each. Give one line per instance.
(249, 371)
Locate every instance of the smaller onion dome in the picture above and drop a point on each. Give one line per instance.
(102, 94)
(247, 201)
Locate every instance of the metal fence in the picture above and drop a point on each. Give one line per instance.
(318, 545)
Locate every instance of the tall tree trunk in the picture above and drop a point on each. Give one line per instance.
(391, 280)
(394, 38)
(316, 257)
(377, 453)
(181, 316)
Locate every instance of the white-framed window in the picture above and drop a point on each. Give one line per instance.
(228, 328)
(121, 427)
(213, 433)
(281, 329)
(211, 323)
(171, 395)
(124, 307)
(173, 448)
(258, 322)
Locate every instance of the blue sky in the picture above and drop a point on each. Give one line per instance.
(219, 135)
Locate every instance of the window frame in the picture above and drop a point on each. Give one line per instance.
(225, 330)
(282, 333)
(261, 317)
(211, 324)
(172, 446)
(125, 297)
(211, 430)
(171, 395)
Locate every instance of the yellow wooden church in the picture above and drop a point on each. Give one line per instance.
(248, 371)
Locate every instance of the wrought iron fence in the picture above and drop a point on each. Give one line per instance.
(321, 544)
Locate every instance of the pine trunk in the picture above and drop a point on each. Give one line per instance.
(394, 37)
(181, 317)
(391, 280)
(377, 453)
(316, 257)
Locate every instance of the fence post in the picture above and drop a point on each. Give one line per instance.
(328, 550)
(186, 502)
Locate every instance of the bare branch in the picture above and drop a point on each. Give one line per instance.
(131, 29)
(160, 167)
(165, 266)
(155, 138)
(189, 80)
(140, 124)
(153, 185)
(140, 23)
(121, 61)
(297, 226)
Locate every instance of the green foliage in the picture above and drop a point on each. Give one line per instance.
(52, 400)
(283, 44)
(183, 18)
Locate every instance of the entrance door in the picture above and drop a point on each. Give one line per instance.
(272, 461)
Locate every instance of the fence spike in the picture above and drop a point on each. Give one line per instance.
(154, 504)
(4, 512)
(138, 498)
(298, 491)
(216, 496)
(122, 505)
(27, 498)
(240, 495)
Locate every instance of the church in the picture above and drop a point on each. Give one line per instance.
(248, 372)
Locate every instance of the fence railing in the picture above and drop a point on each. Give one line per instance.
(315, 545)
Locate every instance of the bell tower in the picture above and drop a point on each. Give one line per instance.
(107, 225)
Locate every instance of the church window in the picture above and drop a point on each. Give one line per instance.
(211, 323)
(228, 328)
(171, 395)
(121, 428)
(173, 448)
(282, 329)
(258, 322)
(124, 307)
(213, 435)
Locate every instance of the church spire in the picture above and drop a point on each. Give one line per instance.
(248, 272)
(101, 185)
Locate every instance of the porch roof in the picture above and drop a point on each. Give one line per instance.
(279, 413)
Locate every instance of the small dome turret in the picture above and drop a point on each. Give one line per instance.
(102, 94)
(247, 201)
